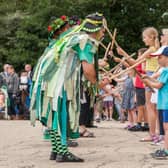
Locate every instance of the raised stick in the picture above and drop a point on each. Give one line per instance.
(107, 50)
(113, 39)
(122, 61)
(101, 68)
(111, 36)
(126, 70)
(103, 45)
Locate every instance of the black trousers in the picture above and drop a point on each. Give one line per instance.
(11, 109)
(86, 113)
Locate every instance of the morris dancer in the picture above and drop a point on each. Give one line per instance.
(74, 60)
(57, 27)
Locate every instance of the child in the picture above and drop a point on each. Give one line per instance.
(150, 38)
(164, 42)
(140, 96)
(23, 87)
(162, 105)
(98, 107)
(118, 101)
(154, 99)
(108, 102)
(128, 102)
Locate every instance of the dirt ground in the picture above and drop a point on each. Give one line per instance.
(22, 146)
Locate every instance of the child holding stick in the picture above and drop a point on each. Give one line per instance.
(162, 85)
(150, 38)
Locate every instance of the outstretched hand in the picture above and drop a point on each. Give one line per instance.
(120, 51)
(146, 80)
(110, 53)
(102, 62)
(116, 59)
(104, 82)
(144, 76)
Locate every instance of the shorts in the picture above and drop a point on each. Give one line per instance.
(148, 73)
(107, 104)
(140, 96)
(165, 115)
(154, 96)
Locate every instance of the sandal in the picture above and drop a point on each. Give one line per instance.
(149, 139)
(146, 140)
(128, 127)
(87, 134)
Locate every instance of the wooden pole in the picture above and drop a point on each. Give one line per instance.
(103, 45)
(107, 50)
(113, 39)
(122, 61)
(126, 70)
(111, 36)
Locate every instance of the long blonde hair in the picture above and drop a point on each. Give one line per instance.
(153, 34)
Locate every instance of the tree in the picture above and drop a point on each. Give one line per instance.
(23, 31)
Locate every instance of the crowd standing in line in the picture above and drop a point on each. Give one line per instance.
(66, 110)
(14, 91)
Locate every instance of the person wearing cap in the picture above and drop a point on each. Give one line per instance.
(164, 42)
(74, 63)
(92, 26)
(157, 139)
(162, 104)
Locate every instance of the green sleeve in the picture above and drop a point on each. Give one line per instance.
(86, 54)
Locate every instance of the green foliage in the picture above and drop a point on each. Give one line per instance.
(23, 31)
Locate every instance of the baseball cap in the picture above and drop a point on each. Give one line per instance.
(161, 51)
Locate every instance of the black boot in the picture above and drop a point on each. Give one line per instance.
(68, 157)
(53, 155)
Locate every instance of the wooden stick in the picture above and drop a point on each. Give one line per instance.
(101, 68)
(107, 50)
(103, 45)
(111, 36)
(157, 69)
(113, 39)
(132, 67)
(129, 68)
(152, 79)
(140, 75)
(112, 42)
(117, 70)
(122, 61)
